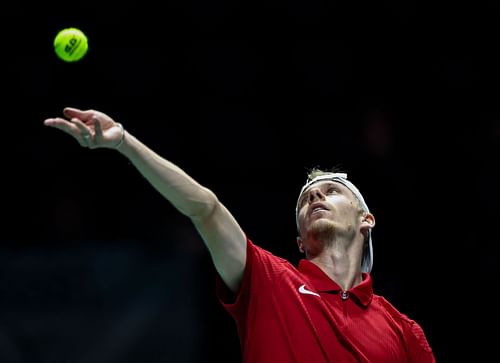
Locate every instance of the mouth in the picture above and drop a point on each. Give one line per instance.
(317, 211)
(317, 208)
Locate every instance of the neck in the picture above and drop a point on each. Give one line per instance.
(340, 265)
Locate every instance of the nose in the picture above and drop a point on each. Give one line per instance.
(315, 194)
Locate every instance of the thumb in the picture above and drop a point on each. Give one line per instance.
(71, 112)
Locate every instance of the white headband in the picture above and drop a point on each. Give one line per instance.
(367, 262)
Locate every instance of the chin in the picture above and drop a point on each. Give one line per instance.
(322, 230)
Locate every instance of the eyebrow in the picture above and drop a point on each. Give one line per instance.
(327, 183)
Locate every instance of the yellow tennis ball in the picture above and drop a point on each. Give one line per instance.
(71, 44)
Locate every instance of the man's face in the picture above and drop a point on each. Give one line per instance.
(328, 209)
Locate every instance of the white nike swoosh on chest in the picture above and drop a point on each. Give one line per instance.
(303, 290)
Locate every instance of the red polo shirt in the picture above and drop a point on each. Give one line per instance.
(285, 314)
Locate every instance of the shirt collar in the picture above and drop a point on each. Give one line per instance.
(322, 283)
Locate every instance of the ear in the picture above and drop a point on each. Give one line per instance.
(367, 222)
(300, 244)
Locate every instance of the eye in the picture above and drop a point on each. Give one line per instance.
(301, 202)
(332, 190)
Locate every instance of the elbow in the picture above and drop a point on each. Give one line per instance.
(205, 206)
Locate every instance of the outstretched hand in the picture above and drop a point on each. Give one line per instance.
(92, 129)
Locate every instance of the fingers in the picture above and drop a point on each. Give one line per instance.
(85, 116)
(74, 127)
(62, 124)
(85, 135)
(86, 126)
(97, 130)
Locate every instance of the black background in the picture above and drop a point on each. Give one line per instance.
(245, 96)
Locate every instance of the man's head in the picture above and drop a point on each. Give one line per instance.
(328, 198)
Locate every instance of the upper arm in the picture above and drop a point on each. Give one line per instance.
(226, 243)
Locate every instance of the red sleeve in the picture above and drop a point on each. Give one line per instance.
(260, 273)
(230, 301)
(419, 350)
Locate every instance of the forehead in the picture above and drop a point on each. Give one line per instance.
(325, 184)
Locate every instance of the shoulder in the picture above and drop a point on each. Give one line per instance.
(262, 262)
(389, 308)
(413, 331)
(263, 255)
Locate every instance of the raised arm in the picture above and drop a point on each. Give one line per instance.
(221, 233)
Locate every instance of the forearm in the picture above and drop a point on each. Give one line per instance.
(185, 194)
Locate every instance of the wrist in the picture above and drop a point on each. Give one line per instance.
(122, 137)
